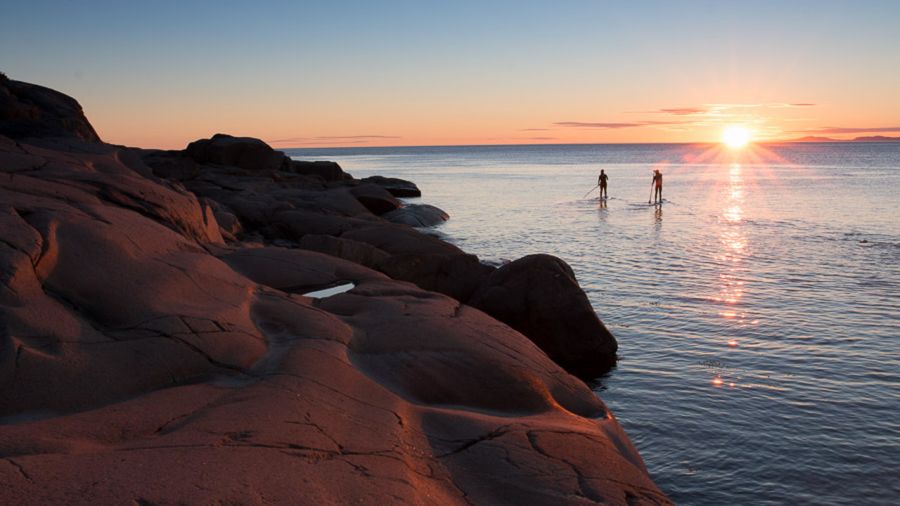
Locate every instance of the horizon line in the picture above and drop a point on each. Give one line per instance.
(785, 141)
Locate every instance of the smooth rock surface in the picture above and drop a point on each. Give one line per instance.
(145, 360)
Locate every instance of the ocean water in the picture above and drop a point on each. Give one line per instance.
(757, 310)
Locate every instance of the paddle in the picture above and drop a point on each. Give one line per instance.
(651, 193)
(590, 192)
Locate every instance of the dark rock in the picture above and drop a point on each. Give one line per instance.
(28, 110)
(244, 152)
(375, 198)
(397, 187)
(292, 224)
(172, 165)
(400, 240)
(539, 296)
(417, 215)
(348, 249)
(228, 222)
(457, 275)
(424, 260)
(329, 171)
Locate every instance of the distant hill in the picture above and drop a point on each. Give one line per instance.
(877, 138)
(813, 138)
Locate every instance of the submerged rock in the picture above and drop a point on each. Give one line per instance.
(539, 296)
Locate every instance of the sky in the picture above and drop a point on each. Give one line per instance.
(390, 73)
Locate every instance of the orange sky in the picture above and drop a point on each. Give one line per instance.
(400, 73)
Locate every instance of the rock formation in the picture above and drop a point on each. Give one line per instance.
(152, 354)
(259, 193)
(28, 110)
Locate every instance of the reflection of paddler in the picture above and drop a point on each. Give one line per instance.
(657, 186)
(601, 182)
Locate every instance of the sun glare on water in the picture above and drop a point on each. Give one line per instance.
(735, 136)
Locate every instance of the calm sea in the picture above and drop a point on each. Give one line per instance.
(757, 310)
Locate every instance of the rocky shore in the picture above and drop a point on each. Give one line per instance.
(157, 346)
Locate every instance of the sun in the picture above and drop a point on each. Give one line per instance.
(735, 136)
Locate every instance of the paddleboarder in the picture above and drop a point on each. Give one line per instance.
(657, 186)
(601, 182)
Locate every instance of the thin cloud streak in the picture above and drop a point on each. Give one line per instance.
(609, 126)
(335, 138)
(683, 111)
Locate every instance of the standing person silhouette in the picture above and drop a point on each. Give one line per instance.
(601, 182)
(657, 186)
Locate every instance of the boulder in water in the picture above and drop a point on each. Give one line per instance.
(539, 296)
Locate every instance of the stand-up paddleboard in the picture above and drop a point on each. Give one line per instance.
(649, 204)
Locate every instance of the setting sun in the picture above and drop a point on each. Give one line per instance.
(736, 136)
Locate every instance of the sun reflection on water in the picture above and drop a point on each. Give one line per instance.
(734, 248)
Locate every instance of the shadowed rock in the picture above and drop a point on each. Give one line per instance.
(417, 215)
(375, 198)
(329, 171)
(244, 152)
(397, 187)
(28, 110)
(347, 249)
(539, 296)
(457, 275)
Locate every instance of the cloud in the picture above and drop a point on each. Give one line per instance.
(608, 126)
(580, 124)
(847, 130)
(342, 139)
(801, 104)
(684, 111)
